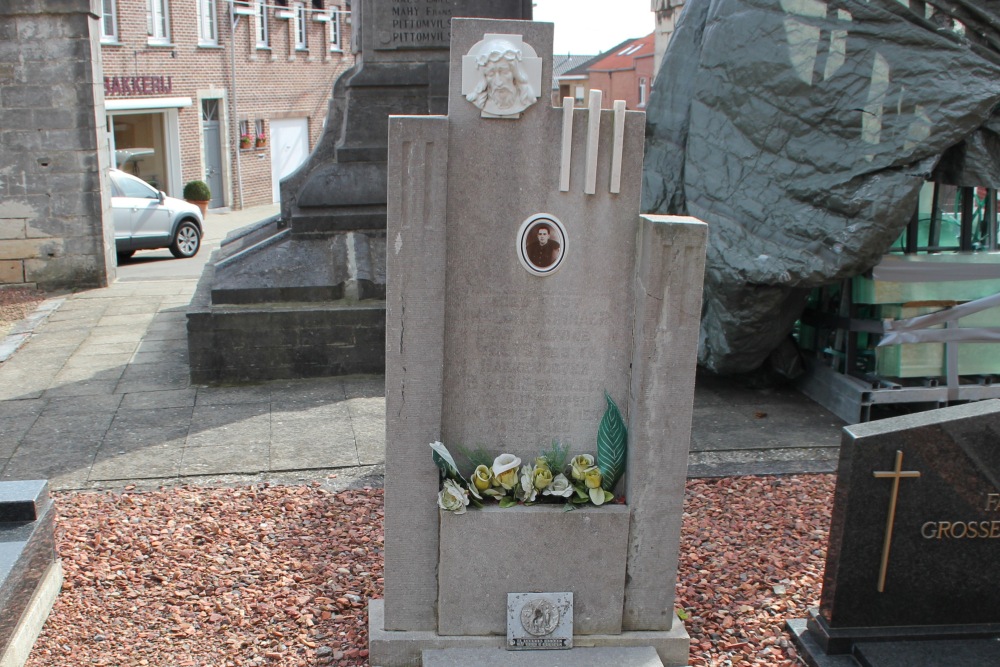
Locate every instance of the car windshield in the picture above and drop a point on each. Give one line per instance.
(133, 187)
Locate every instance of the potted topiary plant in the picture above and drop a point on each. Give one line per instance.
(199, 194)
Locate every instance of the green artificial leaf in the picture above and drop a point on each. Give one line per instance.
(442, 457)
(568, 507)
(507, 501)
(612, 440)
(683, 615)
(577, 500)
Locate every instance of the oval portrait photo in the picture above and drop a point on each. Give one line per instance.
(541, 244)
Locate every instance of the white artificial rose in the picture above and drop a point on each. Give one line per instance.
(453, 497)
(528, 490)
(560, 487)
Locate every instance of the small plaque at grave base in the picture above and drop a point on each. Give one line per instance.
(539, 621)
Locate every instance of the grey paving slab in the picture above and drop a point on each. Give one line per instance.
(99, 361)
(309, 454)
(93, 348)
(83, 373)
(170, 398)
(46, 462)
(147, 418)
(74, 406)
(82, 388)
(146, 463)
(171, 378)
(220, 425)
(176, 357)
(247, 458)
(162, 345)
(258, 393)
(110, 336)
(66, 432)
(368, 422)
(296, 394)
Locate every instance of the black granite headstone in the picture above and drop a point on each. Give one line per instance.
(27, 552)
(914, 537)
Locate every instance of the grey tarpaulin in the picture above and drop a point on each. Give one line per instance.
(801, 132)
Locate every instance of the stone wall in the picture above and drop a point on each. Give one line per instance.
(55, 207)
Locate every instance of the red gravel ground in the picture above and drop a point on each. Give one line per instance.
(17, 303)
(280, 575)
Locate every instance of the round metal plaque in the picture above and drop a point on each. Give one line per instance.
(539, 617)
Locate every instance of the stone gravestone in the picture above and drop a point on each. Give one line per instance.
(495, 342)
(911, 573)
(302, 295)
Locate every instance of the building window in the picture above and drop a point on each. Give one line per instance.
(262, 25)
(301, 26)
(335, 29)
(158, 21)
(642, 92)
(579, 93)
(109, 21)
(207, 23)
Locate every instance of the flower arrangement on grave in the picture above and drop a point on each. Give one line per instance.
(553, 476)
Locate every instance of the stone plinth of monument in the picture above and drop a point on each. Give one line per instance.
(303, 295)
(522, 285)
(911, 576)
(30, 573)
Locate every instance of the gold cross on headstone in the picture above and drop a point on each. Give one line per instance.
(895, 475)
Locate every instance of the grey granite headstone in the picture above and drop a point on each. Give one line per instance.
(494, 342)
(915, 535)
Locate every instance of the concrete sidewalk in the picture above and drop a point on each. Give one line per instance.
(99, 396)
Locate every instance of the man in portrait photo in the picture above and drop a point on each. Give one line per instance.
(504, 88)
(542, 248)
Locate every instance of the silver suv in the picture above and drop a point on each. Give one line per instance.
(146, 218)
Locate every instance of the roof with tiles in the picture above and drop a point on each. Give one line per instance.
(624, 55)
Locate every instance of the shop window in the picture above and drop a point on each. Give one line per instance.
(158, 21)
(109, 21)
(301, 27)
(261, 9)
(335, 44)
(208, 34)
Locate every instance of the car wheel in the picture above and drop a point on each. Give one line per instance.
(187, 240)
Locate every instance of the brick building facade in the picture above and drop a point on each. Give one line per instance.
(231, 92)
(625, 72)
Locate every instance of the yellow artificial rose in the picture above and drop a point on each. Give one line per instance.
(507, 479)
(541, 462)
(580, 465)
(482, 477)
(592, 477)
(543, 477)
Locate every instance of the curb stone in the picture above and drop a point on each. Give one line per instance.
(23, 330)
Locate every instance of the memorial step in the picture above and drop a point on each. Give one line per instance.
(638, 656)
